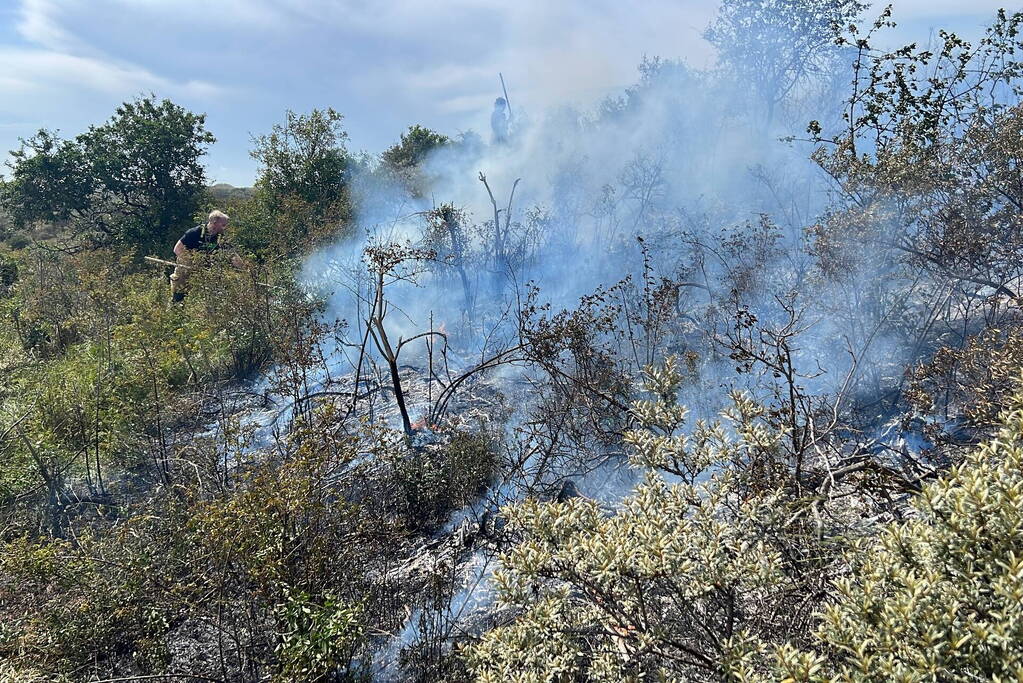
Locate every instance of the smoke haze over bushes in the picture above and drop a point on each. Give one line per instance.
(620, 397)
(684, 159)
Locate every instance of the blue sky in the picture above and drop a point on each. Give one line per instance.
(65, 64)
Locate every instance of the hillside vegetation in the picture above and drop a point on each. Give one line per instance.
(718, 381)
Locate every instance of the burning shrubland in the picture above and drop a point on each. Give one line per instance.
(717, 380)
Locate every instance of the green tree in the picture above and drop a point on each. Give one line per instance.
(50, 180)
(414, 148)
(303, 188)
(135, 179)
(305, 159)
(404, 161)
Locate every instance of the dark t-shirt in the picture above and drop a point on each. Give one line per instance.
(199, 238)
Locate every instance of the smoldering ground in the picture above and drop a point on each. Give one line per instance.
(679, 218)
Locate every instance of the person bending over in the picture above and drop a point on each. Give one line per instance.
(202, 239)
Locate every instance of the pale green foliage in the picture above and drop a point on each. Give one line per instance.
(660, 445)
(938, 597)
(701, 579)
(683, 579)
(319, 638)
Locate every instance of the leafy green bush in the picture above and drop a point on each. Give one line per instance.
(678, 581)
(320, 637)
(430, 484)
(939, 596)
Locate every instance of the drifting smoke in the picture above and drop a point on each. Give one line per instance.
(684, 177)
(672, 161)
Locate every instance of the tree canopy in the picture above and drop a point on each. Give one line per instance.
(414, 148)
(775, 46)
(135, 179)
(304, 158)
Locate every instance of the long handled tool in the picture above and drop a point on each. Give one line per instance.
(162, 262)
(153, 259)
(507, 102)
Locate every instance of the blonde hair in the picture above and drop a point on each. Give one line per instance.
(218, 215)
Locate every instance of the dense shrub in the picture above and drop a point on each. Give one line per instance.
(268, 561)
(98, 364)
(431, 483)
(939, 596)
(677, 580)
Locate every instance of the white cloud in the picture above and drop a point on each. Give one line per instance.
(38, 24)
(61, 81)
(228, 15)
(384, 63)
(46, 71)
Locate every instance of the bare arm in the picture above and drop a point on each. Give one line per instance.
(179, 249)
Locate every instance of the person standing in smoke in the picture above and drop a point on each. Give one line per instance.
(499, 122)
